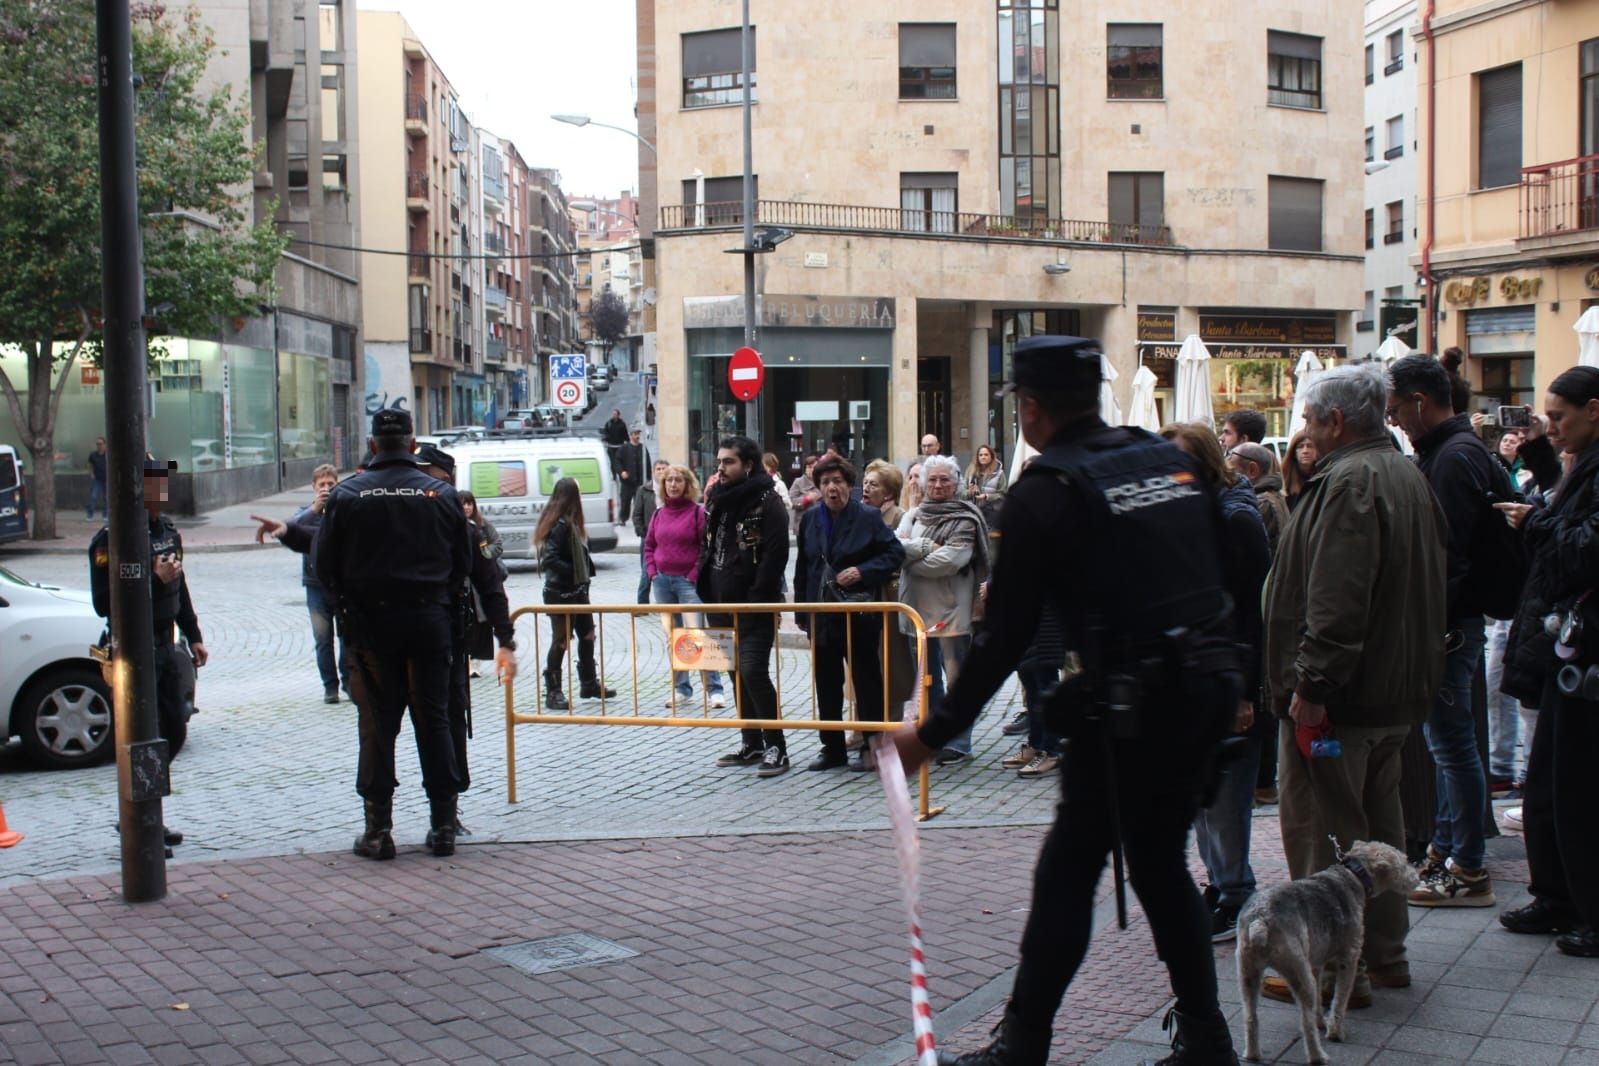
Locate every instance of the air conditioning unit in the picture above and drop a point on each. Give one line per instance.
(860, 410)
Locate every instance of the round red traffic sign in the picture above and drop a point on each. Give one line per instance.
(746, 373)
(568, 393)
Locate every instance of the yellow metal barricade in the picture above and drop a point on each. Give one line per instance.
(551, 614)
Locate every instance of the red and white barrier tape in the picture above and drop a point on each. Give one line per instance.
(903, 822)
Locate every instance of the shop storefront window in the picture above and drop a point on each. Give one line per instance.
(187, 423)
(303, 406)
(81, 417)
(253, 420)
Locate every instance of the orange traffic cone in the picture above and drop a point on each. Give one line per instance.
(8, 837)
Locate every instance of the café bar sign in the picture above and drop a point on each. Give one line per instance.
(806, 312)
(1253, 330)
(1468, 291)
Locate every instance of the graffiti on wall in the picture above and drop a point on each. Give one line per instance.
(388, 378)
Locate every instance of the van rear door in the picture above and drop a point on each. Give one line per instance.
(13, 505)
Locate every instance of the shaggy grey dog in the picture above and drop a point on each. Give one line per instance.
(1301, 928)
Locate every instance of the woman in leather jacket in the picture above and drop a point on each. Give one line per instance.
(1559, 670)
(563, 547)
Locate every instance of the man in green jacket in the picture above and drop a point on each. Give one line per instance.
(1354, 644)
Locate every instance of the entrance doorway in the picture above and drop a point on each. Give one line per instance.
(932, 399)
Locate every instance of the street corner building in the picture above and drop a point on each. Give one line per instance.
(957, 177)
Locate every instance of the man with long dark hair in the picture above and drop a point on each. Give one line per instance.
(744, 556)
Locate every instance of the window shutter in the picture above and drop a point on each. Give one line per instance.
(1134, 34)
(1293, 44)
(1499, 127)
(1294, 214)
(926, 44)
(715, 52)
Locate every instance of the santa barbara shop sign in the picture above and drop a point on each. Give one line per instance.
(1468, 291)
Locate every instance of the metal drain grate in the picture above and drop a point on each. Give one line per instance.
(560, 953)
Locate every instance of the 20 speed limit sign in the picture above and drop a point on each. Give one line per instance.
(569, 393)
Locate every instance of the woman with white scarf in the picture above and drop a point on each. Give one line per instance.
(946, 561)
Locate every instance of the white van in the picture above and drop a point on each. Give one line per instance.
(512, 477)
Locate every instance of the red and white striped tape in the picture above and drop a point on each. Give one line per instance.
(903, 823)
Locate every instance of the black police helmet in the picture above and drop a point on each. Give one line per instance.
(392, 422)
(1056, 364)
(433, 455)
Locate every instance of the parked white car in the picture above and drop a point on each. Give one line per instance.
(51, 691)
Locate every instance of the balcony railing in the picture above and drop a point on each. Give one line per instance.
(494, 350)
(901, 220)
(494, 244)
(418, 265)
(416, 184)
(416, 109)
(494, 297)
(421, 340)
(1560, 197)
(493, 192)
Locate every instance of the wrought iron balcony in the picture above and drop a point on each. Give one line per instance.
(416, 190)
(960, 224)
(494, 350)
(1560, 197)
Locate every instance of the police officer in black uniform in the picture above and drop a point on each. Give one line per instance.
(482, 593)
(1111, 527)
(393, 550)
(169, 603)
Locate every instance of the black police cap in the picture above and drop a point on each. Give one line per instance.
(391, 422)
(152, 465)
(1057, 364)
(433, 455)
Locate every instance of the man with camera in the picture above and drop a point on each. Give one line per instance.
(1151, 684)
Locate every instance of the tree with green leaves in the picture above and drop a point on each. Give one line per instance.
(203, 259)
(608, 319)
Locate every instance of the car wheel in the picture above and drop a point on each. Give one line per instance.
(64, 718)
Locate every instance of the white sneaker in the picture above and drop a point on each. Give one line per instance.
(1512, 819)
(718, 701)
(682, 701)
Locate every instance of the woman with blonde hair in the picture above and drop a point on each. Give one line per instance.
(881, 489)
(672, 561)
(985, 481)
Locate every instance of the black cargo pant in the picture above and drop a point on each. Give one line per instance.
(401, 656)
(1157, 784)
(757, 696)
(1559, 798)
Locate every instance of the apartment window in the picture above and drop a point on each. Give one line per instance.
(928, 203)
(1371, 228)
(724, 200)
(1294, 214)
(1396, 138)
(1371, 63)
(1396, 223)
(1499, 127)
(1029, 108)
(713, 68)
(927, 61)
(1368, 313)
(1588, 91)
(1137, 198)
(1371, 144)
(1133, 61)
(1396, 53)
(1293, 69)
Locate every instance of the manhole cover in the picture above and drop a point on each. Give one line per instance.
(560, 953)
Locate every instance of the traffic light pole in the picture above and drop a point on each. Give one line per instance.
(752, 407)
(141, 774)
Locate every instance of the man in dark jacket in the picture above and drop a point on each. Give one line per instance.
(848, 546)
(1354, 645)
(614, 434)
(742, 561)
(631, 465)
(1464, 475)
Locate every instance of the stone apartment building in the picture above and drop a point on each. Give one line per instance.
(1509, 186)
(959, 174)
(1392, 299)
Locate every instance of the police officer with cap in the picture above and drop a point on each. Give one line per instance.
(169, 603)
(482, 595)
(393, 549)
(1111, 527)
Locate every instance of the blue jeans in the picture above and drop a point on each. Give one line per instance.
(1504, 712)
(669, 589)
(316, 602)
(1037, 683)
(643, 579)
(1222, 830)
(1452, 739)
(944, 657)
(96, 492)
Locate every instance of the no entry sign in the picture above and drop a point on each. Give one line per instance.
(746, 373)
(569, 393)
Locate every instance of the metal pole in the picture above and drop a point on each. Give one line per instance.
(144, 873)
(752, 409)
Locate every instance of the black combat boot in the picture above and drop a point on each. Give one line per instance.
(553, 698)
(376, 843)
(441, 838)
(1013, 1045)
(1198, 1041)
(590, 685)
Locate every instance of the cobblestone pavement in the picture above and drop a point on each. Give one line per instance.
(269, 769)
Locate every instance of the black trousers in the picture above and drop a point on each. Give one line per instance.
(1558, 804)
(757, 696)
(1157, 785)
(562, 628)
(624, 503)
(863, 643)
(460, 711)
(401, 657)
(169, 678)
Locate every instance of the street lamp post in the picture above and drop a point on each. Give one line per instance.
(584, 120)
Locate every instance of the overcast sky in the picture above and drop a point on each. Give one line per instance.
(516, 62)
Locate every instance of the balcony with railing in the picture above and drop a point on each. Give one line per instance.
(1559, 198)
(419, 265)
(921, 223)
(493, 244)
(494, 301)
(494, 350)
(421, 340)
(416, 190)
(493, 193)
(416, 116)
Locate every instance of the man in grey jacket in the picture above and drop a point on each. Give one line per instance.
(1354, 646)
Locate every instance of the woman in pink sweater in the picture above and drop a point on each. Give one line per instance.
(672, 561)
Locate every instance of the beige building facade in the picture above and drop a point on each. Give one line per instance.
(964, 174)
(1509, 196)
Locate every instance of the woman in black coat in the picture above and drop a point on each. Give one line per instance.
(1552, 659)
(846, 552)
(563, 545)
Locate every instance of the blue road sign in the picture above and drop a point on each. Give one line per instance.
(568, 366)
